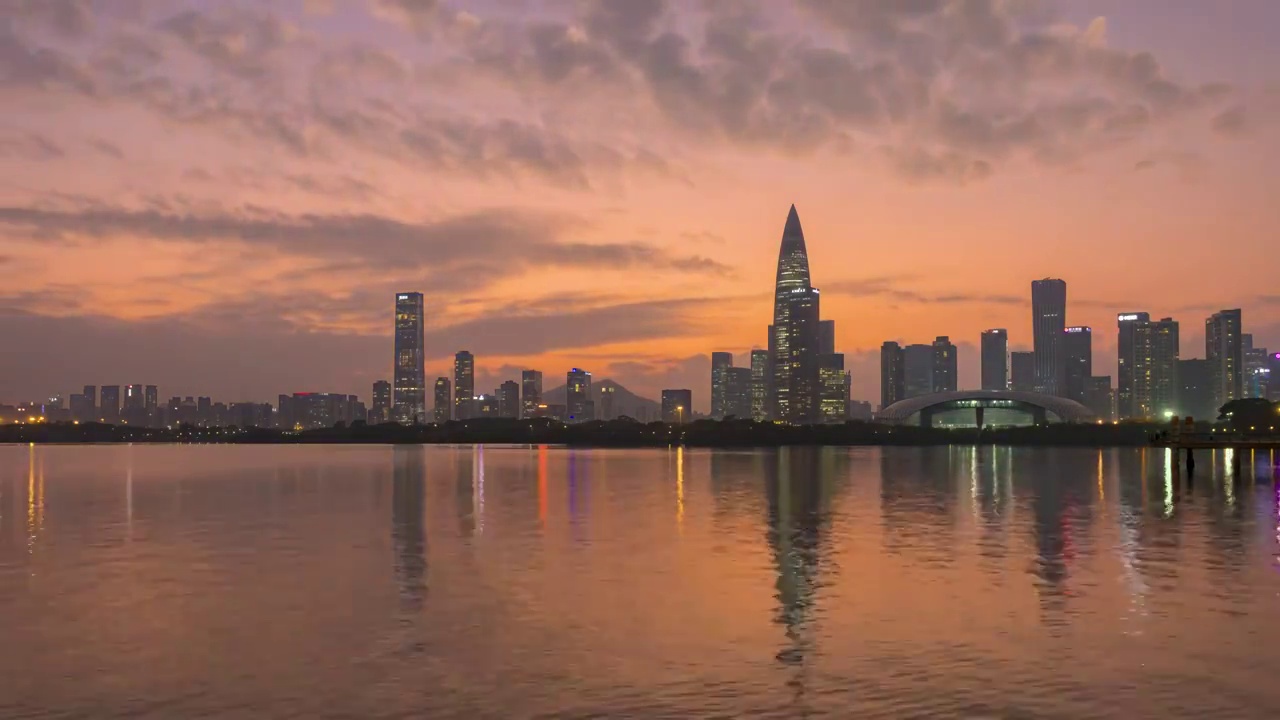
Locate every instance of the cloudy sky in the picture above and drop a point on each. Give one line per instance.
(222, 196)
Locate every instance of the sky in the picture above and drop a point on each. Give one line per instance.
(222, 197)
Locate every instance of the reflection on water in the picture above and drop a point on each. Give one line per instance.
(544, 582)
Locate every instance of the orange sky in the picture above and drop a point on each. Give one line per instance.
(222, 197)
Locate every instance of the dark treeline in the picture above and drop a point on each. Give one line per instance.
(617, 433)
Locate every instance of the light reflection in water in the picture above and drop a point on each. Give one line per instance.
(542, 485)
(477, 485)
(680, 487)
(1168, 482)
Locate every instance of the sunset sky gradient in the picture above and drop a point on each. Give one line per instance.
(221, 197)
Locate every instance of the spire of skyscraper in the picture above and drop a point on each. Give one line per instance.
(793, 259)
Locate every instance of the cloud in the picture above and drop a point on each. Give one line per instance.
(29, 146)
(1231, 123)
(889, 287)
(508, 240)
(107, 148)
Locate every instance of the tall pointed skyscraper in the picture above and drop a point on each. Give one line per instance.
(795, 335)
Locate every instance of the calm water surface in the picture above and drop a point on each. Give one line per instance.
(438, 582)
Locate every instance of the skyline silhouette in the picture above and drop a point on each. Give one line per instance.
(219, 197)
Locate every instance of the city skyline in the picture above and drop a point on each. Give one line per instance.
(243, 248)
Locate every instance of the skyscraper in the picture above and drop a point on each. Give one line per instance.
(134, 401)
(1049, 318)
(677, 406)
(759, 385)
(893, 374)
(795, 339)
(720, 363)
(944, 365)
(443, 410)
(995, 359)
(530, 392)
(1224, 349)
(605, 405)
(509, 399)
(1195, 390)
(91, 403)
(1077, 358)
(1127, 405)
(381, 410)
(826, 337)
(1257, 376)
(1022, 371)
(409, 376)
(464, 385)
(578, 396)
(1098, 396)
(834, 400)
(737, 402)
(1155, 369)
(917, 370)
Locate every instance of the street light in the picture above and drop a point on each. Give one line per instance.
(679, 414)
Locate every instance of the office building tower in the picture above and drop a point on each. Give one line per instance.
(795, 339)
(1256, 374)
(720, 363)
(834, 398)
(1022, 371)
(1224, 349)
(133, 399)
(995, 359)
(760, 385)
(443, 410)
(91, 393)
(917, 370)
(1195, 390)
(151, 401)
(381, 411)
(1273, 371)
(578, 396)
(410, 375)
(205, 415)
(530, 392)
(860, 410)
(1077, 359)
(606, 402)
(464, 384)
(1155, 370)
(826, 337)
(1127, 405)
(509, 399)
(677, 406)
(737, 403)
(893, 374)
(1049, 318)
(82, 408)
(944, 365)
(109, 404)
(1098, 396)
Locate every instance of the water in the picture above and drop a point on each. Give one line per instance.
(378, 582)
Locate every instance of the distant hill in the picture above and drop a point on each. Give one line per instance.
(625, 402)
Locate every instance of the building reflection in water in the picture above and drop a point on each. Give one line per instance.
(680, 487)
(542, 486)
(918, 500)
(797, 488)
(465, 490)
(408, 532)
(577, 485)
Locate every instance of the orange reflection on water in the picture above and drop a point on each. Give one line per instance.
(542, 484)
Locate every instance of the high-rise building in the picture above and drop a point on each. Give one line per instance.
(1155, 369)
(893, 374)
(91, 395)
(151, 399)
(944, 365)
(1273, 371)
(1049, 318)
(109, 404)
(738, 393)
(509, 399)
(1195, 390)
(1224, 350)
(917, 370)
(578, 396)
(995, 359)
(82, 408)
(1077, 359)
(1022, 371)
(1098, 396)
(530, 392)
(795, 337)
(760, 385)
(443, 410)
(1127, 405)
(827, 337)
(134, 401)
(677, 406)
(605, 402)
(464, 385)
(1257, 376)
(834, 402)
(381, 411)
(409, 373)
(720, 363)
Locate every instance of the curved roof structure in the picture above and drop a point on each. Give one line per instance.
(1066, 410)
